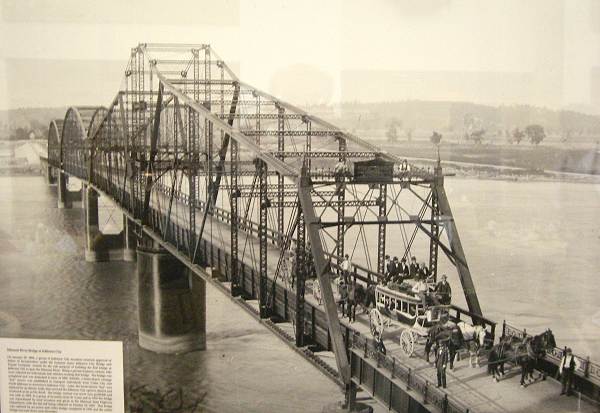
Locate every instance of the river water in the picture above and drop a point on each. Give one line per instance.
(48, 290)
(532, 248)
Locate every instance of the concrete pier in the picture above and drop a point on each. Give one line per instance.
(63, 191)
(48, 172)
(171, 303)
(99, 246)
(129, 240)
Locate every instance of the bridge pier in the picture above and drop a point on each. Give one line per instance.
(129, 240)
(48, 172)
(171, 302)
(66, 199)
(63, 191)
(99, 246)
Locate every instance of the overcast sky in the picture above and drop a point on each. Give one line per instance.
(541, 52)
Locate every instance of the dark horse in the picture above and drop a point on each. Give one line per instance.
(438, 333)
(525, 352)
(458, 336)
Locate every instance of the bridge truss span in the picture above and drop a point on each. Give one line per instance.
(185, 143)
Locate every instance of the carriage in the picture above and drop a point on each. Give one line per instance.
(400, 305)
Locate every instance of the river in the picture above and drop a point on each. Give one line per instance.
(48, 290)
(532, 248)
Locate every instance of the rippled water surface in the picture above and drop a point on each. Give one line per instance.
(47, 289)
(533, 249)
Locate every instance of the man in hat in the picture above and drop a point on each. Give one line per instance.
(386, 267)
(391, 271)
(441, 360)
(443, 291)
(345, 266)
(423, 271)
(567, 367)
(413, 269)
(404, 270)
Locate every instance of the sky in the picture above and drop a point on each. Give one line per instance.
(539, 52)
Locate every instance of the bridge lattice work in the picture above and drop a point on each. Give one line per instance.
(185, 141)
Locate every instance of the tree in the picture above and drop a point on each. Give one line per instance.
(477, 136)
(517, 135)
(392, 133)
(409, 134)
(20, 134)
(535, 133)
(435, 138)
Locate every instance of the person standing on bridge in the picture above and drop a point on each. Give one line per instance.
(413, 269)
(441, 360)
(404, 269)
(351, 306)
(388, 261)
(392, 269)
(443, 292)
(340, 171)
(346, 269)
(568, 366)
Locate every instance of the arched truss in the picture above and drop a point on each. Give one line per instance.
(185, 142)
(54, 137)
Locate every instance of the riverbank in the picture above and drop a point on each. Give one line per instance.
(505, 162)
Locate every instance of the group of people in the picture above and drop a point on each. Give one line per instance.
(398, 271)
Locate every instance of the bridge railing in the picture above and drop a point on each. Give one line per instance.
(586, 370)
(411, 380)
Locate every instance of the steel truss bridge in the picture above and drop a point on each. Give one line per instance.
(223, 175)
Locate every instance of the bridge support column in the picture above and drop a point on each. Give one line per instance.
(48, 172)
(129, 240)
(171, 302)
(98, 246)
(63, 191)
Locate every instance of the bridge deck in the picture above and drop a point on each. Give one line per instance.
(472, 387)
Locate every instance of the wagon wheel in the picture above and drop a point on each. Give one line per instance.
(316, 290)
(407, 342)
(376, 322)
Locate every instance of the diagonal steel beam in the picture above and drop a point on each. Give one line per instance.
(324, 275)
(214, 186)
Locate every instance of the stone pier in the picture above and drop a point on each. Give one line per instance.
(99, 246)
(63, 191)
(67, 199)
(171, 302)
(129, 240)
(48, 173)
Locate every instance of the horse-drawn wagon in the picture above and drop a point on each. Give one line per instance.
(427, 322)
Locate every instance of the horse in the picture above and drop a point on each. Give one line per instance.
(474, 339)
(448, 333)
(525, 352)
(535, 349)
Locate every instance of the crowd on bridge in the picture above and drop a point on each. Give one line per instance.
(353, 294)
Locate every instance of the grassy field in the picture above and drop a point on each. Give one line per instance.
(531, 158)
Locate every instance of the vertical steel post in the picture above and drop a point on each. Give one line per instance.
(233, 196)
(308, 143)
(381, 230)
(262, 237)
(300, 276)
(341, 207)
(280, 180)
(435, 233)
(193, 158)
(207, 124)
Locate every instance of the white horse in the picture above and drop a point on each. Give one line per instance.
(474, 340)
